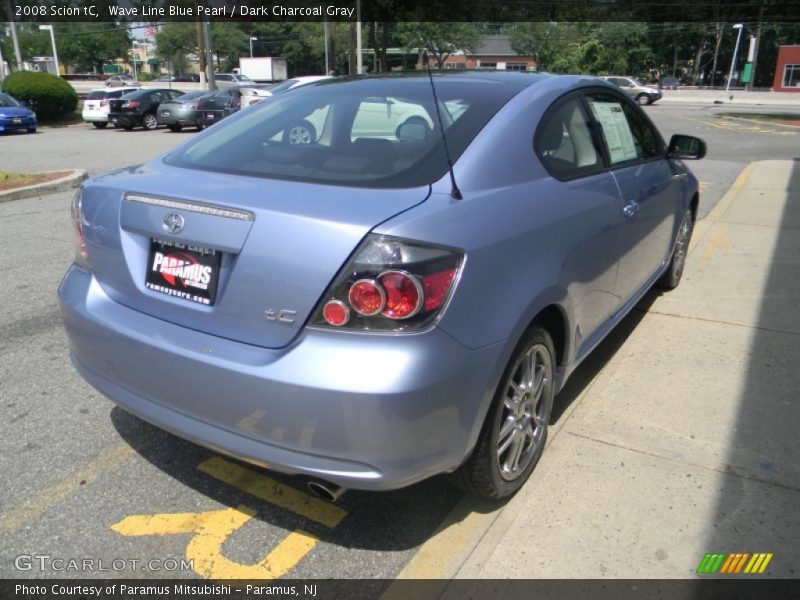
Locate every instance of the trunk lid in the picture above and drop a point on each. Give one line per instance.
(280, 243)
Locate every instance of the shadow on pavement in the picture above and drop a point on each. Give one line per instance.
(757, 500)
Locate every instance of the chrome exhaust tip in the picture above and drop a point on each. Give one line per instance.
(326, 490)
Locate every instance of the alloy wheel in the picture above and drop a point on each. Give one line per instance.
(526, 411)
(682, 246)
(299, 135)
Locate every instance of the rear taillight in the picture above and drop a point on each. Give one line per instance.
(390, 285)
(130, 104)
(77, 222)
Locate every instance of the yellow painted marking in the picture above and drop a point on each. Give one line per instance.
(249, 422)
(717, 241)
(708, 124)
(727, 200)
(728, 561)
(756, 558)
(763, 567)
(703, 185)
(51, 496)
(212, 529)
(741, 562)
(268, 489)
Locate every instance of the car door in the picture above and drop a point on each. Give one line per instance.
(588, 201)
(649, 188)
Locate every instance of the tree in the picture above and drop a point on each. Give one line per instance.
(174, 41)
(440, 39)
(88, 46)
(555, 47)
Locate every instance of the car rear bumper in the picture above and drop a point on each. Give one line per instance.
(209, 117)
(12, 125)
(95, 116)
(125, 120)
(184, 120)
(365, 411)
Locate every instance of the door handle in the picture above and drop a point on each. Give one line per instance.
(631, 208)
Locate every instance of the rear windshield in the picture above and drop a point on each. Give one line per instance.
(380, 132)
(100, 95)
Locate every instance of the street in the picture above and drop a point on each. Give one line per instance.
(89, 480)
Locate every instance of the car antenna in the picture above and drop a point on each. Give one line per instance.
(455, 193)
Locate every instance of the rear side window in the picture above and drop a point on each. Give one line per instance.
(99, 95)
(564, 142)
(627, 135)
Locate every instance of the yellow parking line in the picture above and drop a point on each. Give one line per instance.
(48, 498)
(724, 204)
(707, 124)
(268, 489)
(211, 530)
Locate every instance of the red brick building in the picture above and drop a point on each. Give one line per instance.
(493, 52)
(787, 71)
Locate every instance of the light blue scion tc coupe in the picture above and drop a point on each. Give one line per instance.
(310, 287)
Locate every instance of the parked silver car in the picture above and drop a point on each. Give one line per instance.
(635, 88)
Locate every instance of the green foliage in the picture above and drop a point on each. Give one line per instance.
(87, 46)
(440, 39)
(145, 76)
(174, 41)
(50, 96)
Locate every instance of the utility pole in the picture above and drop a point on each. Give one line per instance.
(359, 59)
(755, 48)
(201, 50)
(327, 48)
(15, 41)
(212, 85)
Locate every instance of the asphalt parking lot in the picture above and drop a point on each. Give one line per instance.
(83, 479)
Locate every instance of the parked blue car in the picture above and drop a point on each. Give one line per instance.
(344, 306)
(14, 115)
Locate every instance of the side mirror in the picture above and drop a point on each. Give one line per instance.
(686, 146)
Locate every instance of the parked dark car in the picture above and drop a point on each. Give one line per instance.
(181, 112)
(180, 77)
(336, 306)
(140, 108)
(219, 105)
(15, 115)
(187, 77)
(670, 83)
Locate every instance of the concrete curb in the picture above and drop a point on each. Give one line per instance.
(72, 180)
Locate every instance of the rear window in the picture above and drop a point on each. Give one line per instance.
(380, 132)
(100, 95)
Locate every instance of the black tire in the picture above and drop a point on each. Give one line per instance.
(482, 474)
(302, 132)
(175, 127)
(643, 99)
(32, 130)
(150, 122)
(100, 124)
(199, 127)
(128, 127)
(677, 262)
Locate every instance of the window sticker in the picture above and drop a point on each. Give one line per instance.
(621, 146)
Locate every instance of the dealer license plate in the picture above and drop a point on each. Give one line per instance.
(183, 271)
